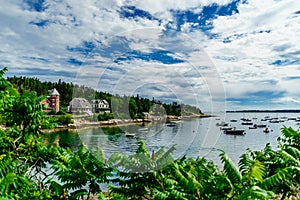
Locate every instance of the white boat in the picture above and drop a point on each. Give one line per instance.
(222, 124)
(129, 134)
(171, 124)
(226, 128)
(274, 120)
(143, 129)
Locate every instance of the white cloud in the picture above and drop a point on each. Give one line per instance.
(255, 33)
(261, 33)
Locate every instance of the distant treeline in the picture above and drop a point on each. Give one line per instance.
(263, 111)
(121, 104)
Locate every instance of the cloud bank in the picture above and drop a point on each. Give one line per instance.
(214, 54)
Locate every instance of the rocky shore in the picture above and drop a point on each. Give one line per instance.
(80, 123)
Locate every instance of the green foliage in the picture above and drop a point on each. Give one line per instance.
(80, 172)
(230, 169)
(30, 169)
(105, 116)
(56, 120)
(52, 112)
(137, 173)
(133, 109)
(60, 112)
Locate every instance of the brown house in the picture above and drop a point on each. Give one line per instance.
(52, 101)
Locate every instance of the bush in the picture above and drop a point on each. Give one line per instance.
(52, 112)
(64, 119)
(105, 116)
(60, 113)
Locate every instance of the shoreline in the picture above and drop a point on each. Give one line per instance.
(84, 124)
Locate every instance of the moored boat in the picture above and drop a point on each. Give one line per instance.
(247, 123)
(266, 130)
(129, 134)
(171, 124)
(235, 132)
(222, 124)
(226, 128)
(274, 120)
(261, 125)
(143, 129)
(253, 127)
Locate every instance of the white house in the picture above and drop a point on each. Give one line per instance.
(79, 105)
(100, 106)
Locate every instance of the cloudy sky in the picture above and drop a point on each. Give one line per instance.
(216, 54)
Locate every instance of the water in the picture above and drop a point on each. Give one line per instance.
(198, 137)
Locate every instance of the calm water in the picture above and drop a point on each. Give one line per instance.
(195, 137)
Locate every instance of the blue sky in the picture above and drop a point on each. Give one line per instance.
(213, 54)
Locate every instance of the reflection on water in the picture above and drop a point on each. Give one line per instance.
(195, 137)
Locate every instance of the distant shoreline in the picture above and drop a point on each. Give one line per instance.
(263, 111)
(113, 123)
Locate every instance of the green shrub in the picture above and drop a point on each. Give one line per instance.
(105, 116)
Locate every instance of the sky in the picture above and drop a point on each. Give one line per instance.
(215, 54)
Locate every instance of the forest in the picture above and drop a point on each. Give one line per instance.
(137, 105)
(32, 168)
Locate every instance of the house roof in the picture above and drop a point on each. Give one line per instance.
(105, 102)
(54, 92)
(46, 101)
(98, 101)
(80, 103)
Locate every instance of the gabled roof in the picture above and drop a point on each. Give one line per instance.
(80, 103)
(46, 101)
(98, 101)
(104, 101)
(54, 92)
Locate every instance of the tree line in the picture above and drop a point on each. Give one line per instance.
(136, 105)
(34, 168)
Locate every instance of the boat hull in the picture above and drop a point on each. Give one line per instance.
(129, 134)
(235, 132)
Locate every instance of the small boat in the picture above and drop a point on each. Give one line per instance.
(129, 134)
(171, 124)
(225, 128)
(266, 118)
(261, 125)
(247, 123)
(274, 120)
(235, 132)
(246, 120)
(143, 129)
(253, 127)
(266, 130)
(222, 124)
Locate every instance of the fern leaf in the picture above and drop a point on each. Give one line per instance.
(255, 192)
(230, 169)
(288, 157)
(257, 171)
(283, 175)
